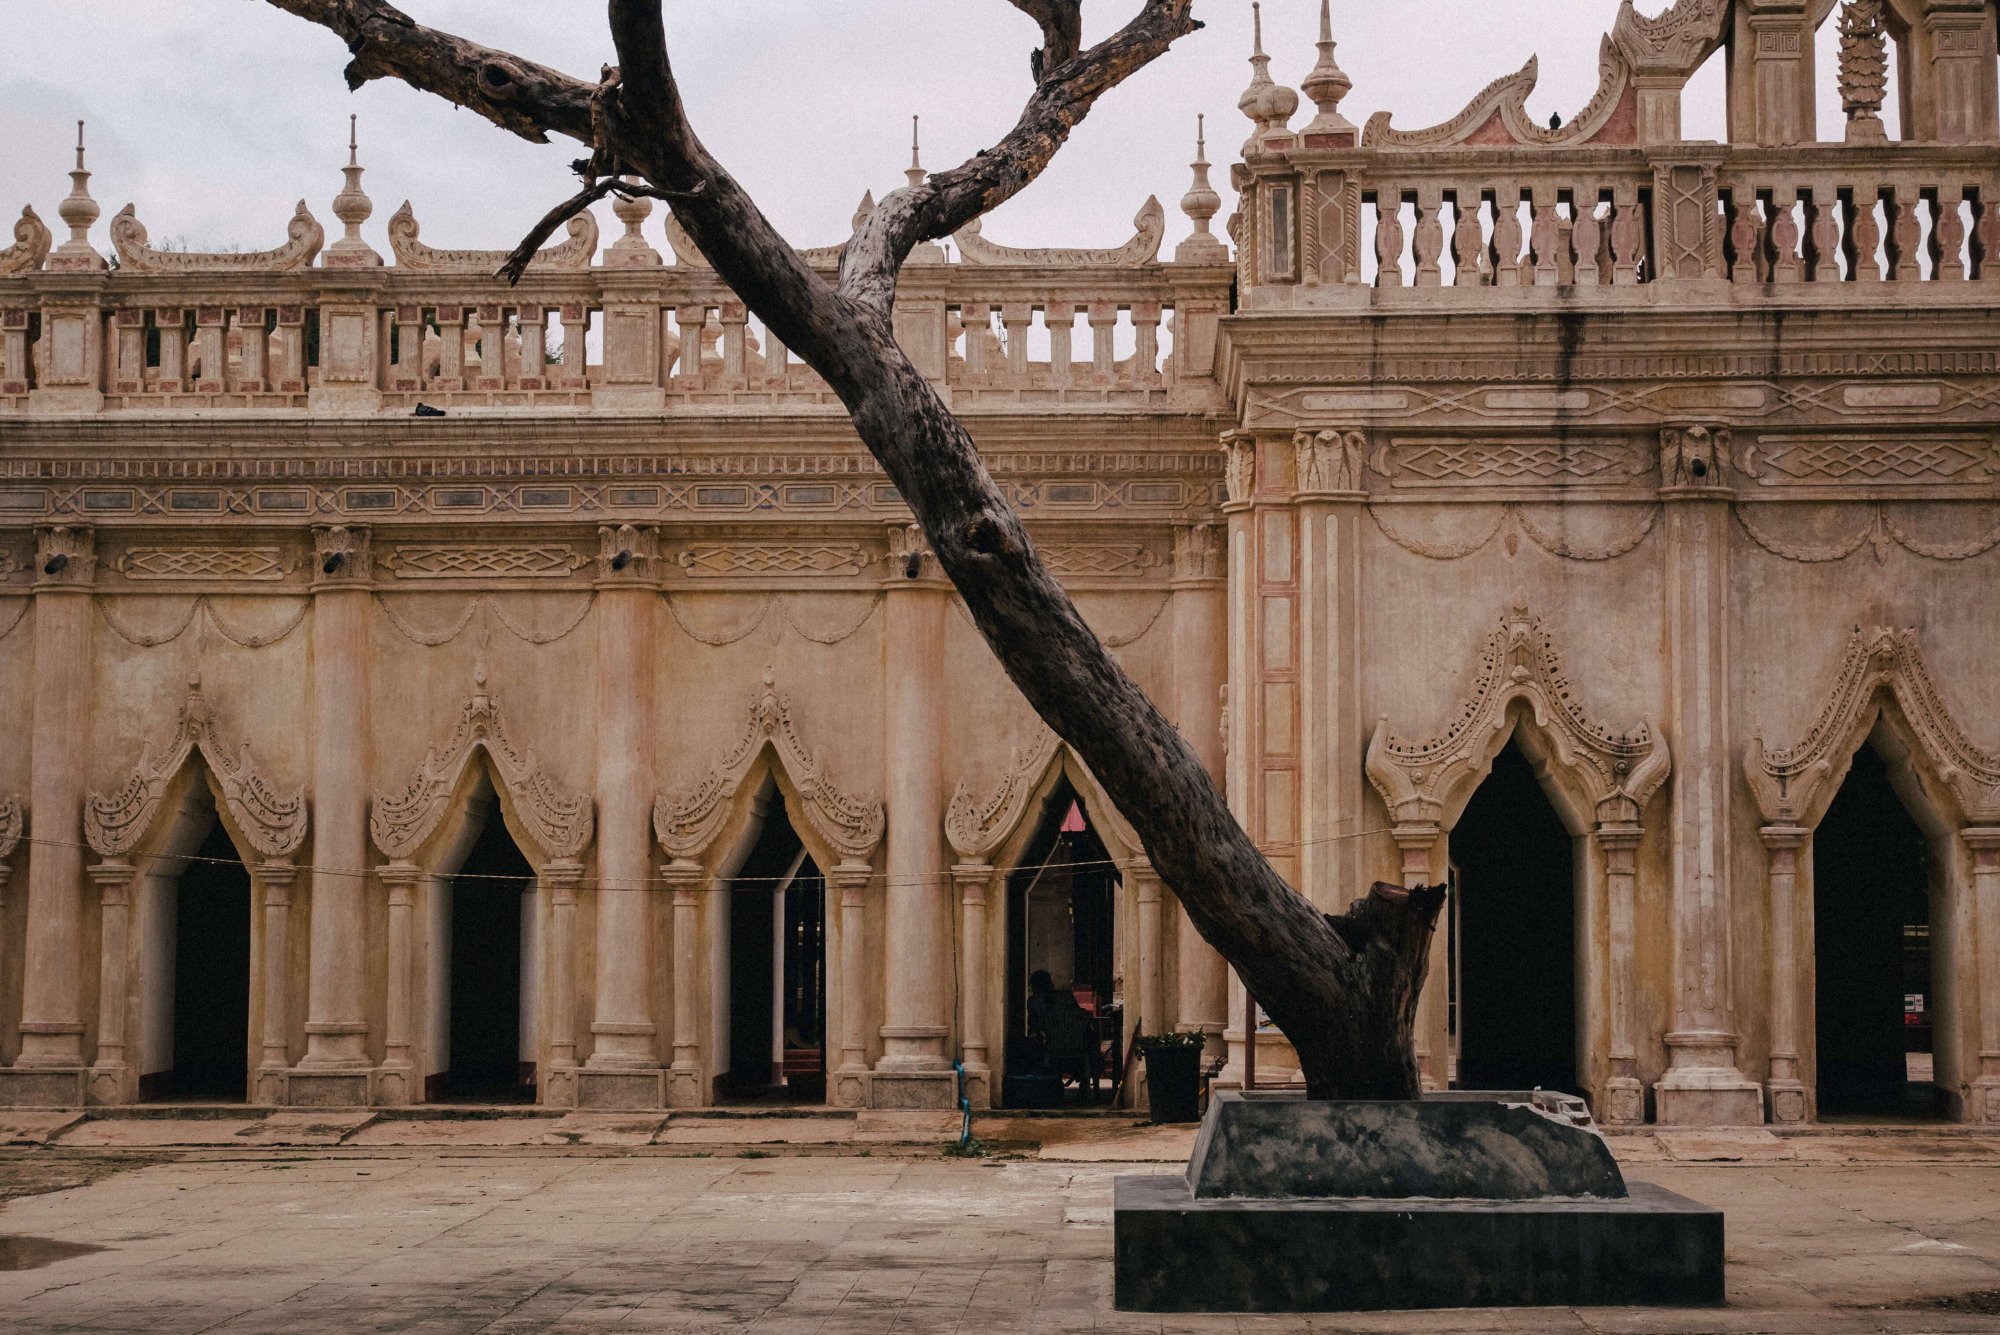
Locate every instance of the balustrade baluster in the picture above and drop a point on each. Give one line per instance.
(1507, 236)
(1429, 241)
(1546, 236)
(172, 332)
(1905, 233)
(1388, 236)
(1823, 232)
(1587, 239)
(207, 364)
(1746, 239)
(735, 317)
(14, 351)
(1785, 263)
(492, 348)
(1468, 241)
(976, 319)
(406, 367)
(1628, 234)
(1017, 317)
(1865, 232)
(777, 361)
(129, 364)
(690, 370)
(1103, 348)
(533, 324)
(1986, 237)
(576, 348)
(1948, 235)
(1059, 318)
(1146, 336)
(451, 349)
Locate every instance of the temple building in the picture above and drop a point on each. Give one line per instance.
(429, 689)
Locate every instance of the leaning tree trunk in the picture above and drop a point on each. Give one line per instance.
(1344, 989)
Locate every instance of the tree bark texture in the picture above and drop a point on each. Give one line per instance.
(1343, 989)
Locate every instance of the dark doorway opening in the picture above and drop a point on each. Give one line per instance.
(211, 997)
(1512, 936)
(1871, 950)
(777, 969)
(1064, 1039)
(485, 1034)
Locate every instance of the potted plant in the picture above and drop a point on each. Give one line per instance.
(1173, 1075)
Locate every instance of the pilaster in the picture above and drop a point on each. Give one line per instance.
(1200, 610)
(273, 880)
(1703, 1085)
(1624, 1101)
(1781, 866)
(1332, 738)
(977, 882)
(560, 878)
(852, 1077)
(50, 1068)
(914, 1070)
(1418, 842)
(335, 1070)
(111, 1079)
(685, 1085)
(398, 1082)
(1984, 841)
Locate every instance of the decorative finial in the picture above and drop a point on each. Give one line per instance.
(862, 210)
(915, 175)
(1265, 102)
(353, 207)
(1326, 85)
(631, 251)
(1864, 70)
(1200, 204)
(78, 210)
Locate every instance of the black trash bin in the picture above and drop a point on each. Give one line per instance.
(1173, 1076)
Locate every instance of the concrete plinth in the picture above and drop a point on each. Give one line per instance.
(621, 1091)
(1175, 1253)
(328, 1089)
(54, 1087)
(913, 1089)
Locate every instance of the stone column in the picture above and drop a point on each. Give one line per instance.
(1984, 840)
(111, 1073)
(684, 1082)
(1781, 869)
(975, 880)
(1703, 1085)
(624, 1069)
(560, 879)
(1418, 843)
(1240, 715)
(334, 1069)
(274, 882)
(397, 1083)
(851, 1077)
(1332, 737)
(914, 1071)
(1146, 894)
(1624, 1103)
(49, 1069)
(1200, 610)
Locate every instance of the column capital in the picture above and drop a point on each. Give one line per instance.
(1622, 836)
(1239, 461)
(276, 878)
(65, 556)
(1982, 839)
(1777, 837)
(847, 876)
(911, 564)
(340, 555)
(1199, 560)
(972, 879)
(1328, 465)
(114, 880)
(628, 555)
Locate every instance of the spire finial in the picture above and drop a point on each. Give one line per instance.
(1326, 86)
(915, 174)
(78, 210)
(1265, 102)
(353, 207)
(1200, 204)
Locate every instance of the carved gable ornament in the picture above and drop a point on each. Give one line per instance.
(1795, 785)
(304, 238)
(977, 827)
(31, 244)
(560, 823)
(1618, 771)
(688, 819)
(273, 822)
(1141, 250)
(574, 253)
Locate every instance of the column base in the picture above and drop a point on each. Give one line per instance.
(929, 1090)
(324, 1087)
(559, 1085)
(1624, 1102)
(42, 1087)
(1708, 1096)
(1984, 1106)
(110, 1083)
(979, 1086)
(621, 1088)
(849, 1087)
(267, 1086)
(684, 1087)
(396, 1084)
(1788, 1101)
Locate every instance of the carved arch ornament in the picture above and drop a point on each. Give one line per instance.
(1619, 772)
(688, 819)
(559, 822)
(274, 822)
(1794, 786)
(977, 827)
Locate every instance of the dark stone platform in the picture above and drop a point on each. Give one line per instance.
(1297, 1206)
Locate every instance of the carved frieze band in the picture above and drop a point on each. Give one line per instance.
(202, 563)
(687, 819)
(1791, 785)
(558, 821)
(529, 560)
(1519, 662)
(780, 558)
(273, 821)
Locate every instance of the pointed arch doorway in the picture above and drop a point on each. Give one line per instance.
(1512, 936)
(775, 984)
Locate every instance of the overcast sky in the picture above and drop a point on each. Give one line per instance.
(215, 116)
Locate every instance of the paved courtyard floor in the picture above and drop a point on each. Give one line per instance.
(138, 1226)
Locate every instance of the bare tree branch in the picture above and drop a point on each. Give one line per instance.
(1062, 32)
(518, 95)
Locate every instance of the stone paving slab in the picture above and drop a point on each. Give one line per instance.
(469, 1131)
(1729, 1145)
(150, 1132)
(299, 1127)
(697, 1130)
(22, 1126)
(602, 1128)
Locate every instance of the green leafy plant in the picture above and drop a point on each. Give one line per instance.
(1195, 1040)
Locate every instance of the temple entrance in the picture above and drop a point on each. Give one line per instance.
(1511, 936)
(485, 1017)
(1871, 951)
(195, 944)
(777, 969)
(1063, 1011)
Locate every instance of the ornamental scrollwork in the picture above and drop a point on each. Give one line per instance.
(688, 819)
(1519, 663)
(977, 826)
(574, 253)
(13, 824)
(273, 821)
(31, 244)
(1793, 785)
(559, 822)
(1143, 249)
(304, 236)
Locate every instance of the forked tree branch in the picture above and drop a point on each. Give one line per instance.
(1343, 989)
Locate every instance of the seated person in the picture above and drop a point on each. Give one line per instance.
(1071, 1037)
